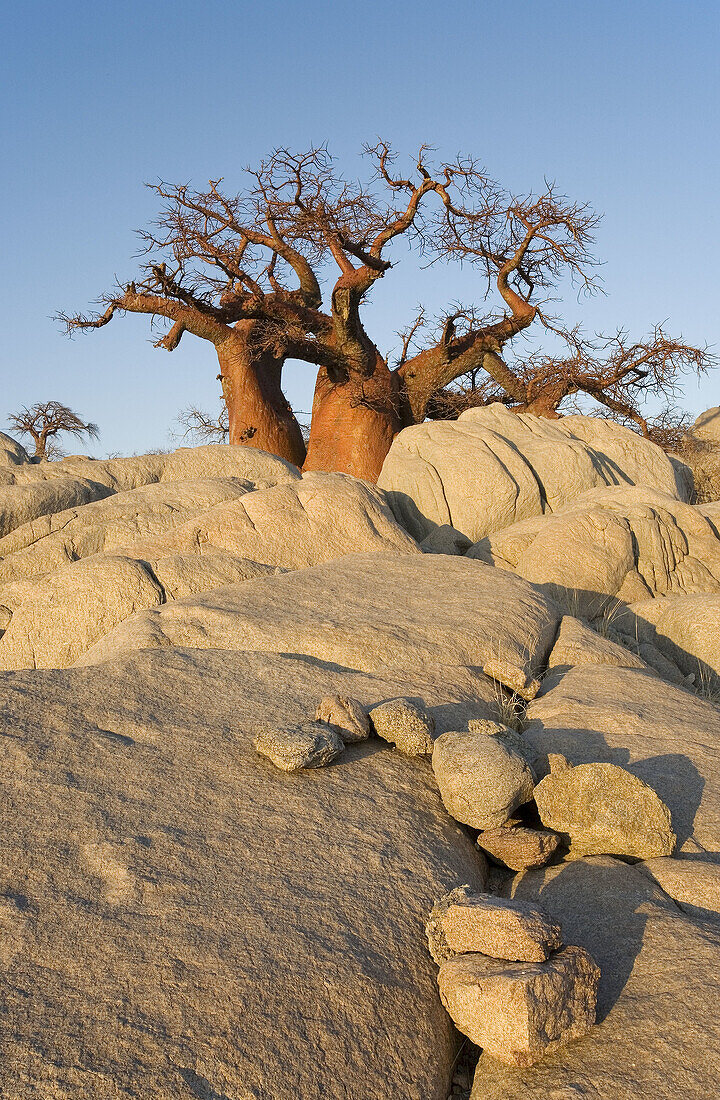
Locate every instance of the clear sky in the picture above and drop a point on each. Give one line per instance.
(615, 100)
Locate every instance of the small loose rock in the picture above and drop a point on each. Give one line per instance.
(519, 1012)
(463, 921)
(347, 717)
(604, 810)
(519, 848)
(290, 748)
(482, 779)
(406, 725)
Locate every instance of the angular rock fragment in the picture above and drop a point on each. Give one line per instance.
(482, 779)
(464, 922)
(604, 810)
(519, 1012)
(308, 745)
(347, 717)
(445, 539)
(405, 725)
(519, 848)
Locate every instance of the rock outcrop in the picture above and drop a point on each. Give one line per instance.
(200, 921)
(615, 544)
(686, 631)
(367, 611)
(491, 468)
(245, 535)
(662, 734)
(658, 1033)
(12, 453)
(30, 490)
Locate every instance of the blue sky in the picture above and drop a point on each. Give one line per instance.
(617, 101)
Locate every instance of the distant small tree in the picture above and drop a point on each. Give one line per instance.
(44, 421)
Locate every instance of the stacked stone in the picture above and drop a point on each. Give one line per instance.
(506, 979)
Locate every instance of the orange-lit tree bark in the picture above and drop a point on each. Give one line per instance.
(244, 273)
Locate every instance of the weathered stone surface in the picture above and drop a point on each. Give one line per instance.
(21, 503)
(519, 847)
(666, 736)
(203, 923)
(367, 611)
(348, 718)
(520, 1012)
(56, 619)
(658, 1033)
(445, 540)
(293, 525)
(491, 467)
(626, 544)
(578, 644)
(119, 474)
(481, 779)
(51, 541)
(463, 921)
(693, 883)
(307, 745)
(707, 425)
(309, 520)
(12, 453)
(404, 724)
(604, 810)
(685, 629)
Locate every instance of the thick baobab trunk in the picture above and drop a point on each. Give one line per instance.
(258, 412)
(353, 423)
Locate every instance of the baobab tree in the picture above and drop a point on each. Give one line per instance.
(244, 272)
(44, 421)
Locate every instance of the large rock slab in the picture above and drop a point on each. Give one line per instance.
(187, 463)
(626, 544)
(12, 453)
(52, 622)
(658, 1034)
(38, 489)
(366, 611)
(24, 502)
(665, 735)
(707, 425)
(295, 524)
(686, 630)
(247, 534)
(53, 540)
(182, 918)
(694, 884)
(491, 467)
(578, 644)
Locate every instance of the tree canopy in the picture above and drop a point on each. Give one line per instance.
(282, 271)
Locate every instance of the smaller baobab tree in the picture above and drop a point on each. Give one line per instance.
(44, 421)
